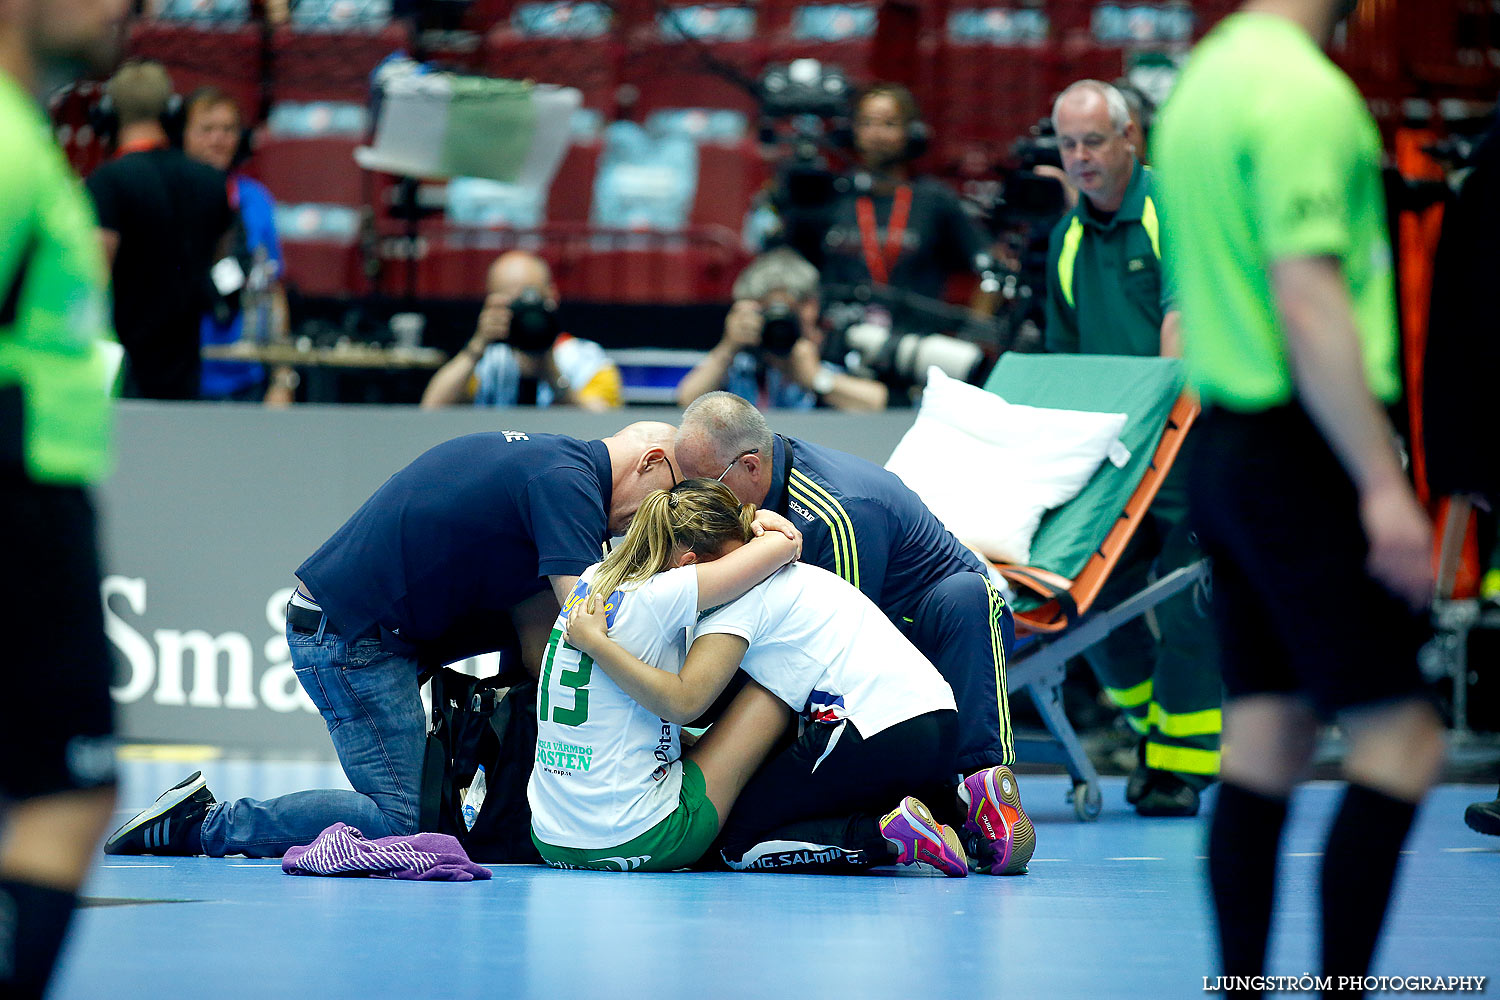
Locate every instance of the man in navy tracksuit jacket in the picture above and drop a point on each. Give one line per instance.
(863, 524)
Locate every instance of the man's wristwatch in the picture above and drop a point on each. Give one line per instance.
(822, 383)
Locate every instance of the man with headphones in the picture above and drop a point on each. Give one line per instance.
(163, 217)
(1107, 293)
(213, 132)
(891, 228)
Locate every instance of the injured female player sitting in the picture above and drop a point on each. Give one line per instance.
(611, 789)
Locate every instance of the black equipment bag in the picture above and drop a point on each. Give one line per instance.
(481, 720)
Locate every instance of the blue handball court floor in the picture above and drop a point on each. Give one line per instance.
(1115, 908)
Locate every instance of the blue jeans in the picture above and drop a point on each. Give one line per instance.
(372, 704)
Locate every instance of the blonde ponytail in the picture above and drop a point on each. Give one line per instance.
(700, 515)
(645, 551)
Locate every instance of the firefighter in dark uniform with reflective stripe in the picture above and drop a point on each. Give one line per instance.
(1107, 293)
(863, 524)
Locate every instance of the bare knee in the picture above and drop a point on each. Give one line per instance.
(51, 840)
(1267, 743)
(1397, 749)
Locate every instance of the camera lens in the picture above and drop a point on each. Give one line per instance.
(533, 324)
(779, 329)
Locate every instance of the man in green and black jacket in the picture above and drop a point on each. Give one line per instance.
(1107, 293)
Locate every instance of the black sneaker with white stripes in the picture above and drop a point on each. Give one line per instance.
(170, 825)
(1484, 817)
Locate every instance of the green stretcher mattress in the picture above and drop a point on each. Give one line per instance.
(1145, 389)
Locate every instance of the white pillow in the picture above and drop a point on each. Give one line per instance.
(990, 469)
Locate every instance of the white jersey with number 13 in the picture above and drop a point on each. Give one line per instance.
(607, 770)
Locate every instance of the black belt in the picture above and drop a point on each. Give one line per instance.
(306, 621)
(303, 620)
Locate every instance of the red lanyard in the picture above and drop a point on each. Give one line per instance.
(140, 146)
(881, 264)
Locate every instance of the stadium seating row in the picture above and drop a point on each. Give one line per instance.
(974, 93)
(697, 265)
(985, 75)
(1005, 22)
(322, 171)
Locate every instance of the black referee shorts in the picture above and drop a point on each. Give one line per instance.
(56, 717)
(1296, 610)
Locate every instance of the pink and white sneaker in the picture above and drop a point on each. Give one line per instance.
(922, 842)
(997, 826)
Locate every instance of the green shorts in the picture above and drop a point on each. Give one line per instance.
(674, 843)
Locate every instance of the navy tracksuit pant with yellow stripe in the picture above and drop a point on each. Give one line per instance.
(964, 627)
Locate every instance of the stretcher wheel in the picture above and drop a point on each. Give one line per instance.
(1088, 801)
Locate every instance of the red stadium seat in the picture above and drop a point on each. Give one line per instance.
(697, 266)
(1087, 61)
(227, 58)
(483, 15)
(728, 177)
(69, 108)
(449, 272)
(674, 75)
(853, 57)
(590, 64)
(329, 66)
(989, 95)
(572, 189)
(323, 267)
(1070, 16)
(310, 170)
(675, 276)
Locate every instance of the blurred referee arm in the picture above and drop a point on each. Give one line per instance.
(1171, 312)
(1328, 369)
(110, 241)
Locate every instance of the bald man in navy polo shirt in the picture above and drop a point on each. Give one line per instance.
(474, 544)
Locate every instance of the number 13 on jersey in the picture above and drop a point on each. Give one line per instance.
(573, 668)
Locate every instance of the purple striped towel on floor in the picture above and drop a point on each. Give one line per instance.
(343, 850)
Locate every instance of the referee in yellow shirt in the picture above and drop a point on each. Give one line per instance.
(57, 757)
(1268, 165)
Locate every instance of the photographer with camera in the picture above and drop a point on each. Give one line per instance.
(771, 353)
(518, 356)
(214, 133)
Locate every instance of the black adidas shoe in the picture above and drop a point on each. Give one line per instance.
(169, 825)
(1484, 817)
